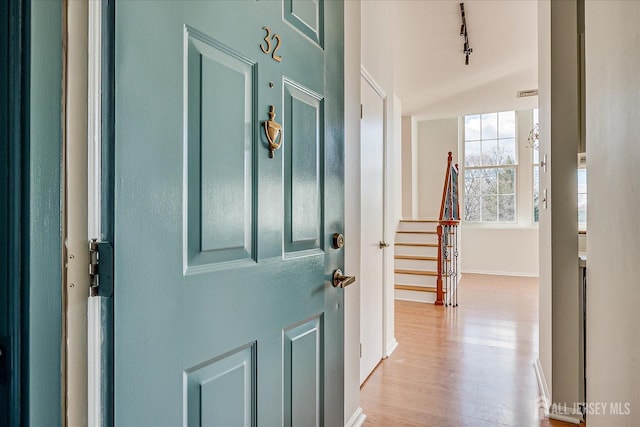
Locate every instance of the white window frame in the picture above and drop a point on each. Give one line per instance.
(515, 166)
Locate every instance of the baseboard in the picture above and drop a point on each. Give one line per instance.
(425, 297)
(391, 347)
(545, 399)
(357, 419)
(542, 385)
(500, 273)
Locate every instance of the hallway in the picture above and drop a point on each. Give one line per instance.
(469, 366)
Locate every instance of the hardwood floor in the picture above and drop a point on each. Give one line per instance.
(465, 366)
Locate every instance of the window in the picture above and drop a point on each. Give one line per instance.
(490, 164)
(535, 146)
(582, 179)
(582, 199)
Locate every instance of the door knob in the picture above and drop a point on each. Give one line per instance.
(383, 244)
(337, 241)
(340, 281)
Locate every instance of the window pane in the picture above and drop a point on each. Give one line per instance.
(536, 156)
(536, 193)
(472, 153)
(507, 208)
(582, 199)
(490, 184)
(582, 181)
(507, 124)
(472, 208)
(582, 211)
(489, 181)
(472, 128)
(472, 194)
(489, 208)
(507, 150)
(507, 181)
(490, 154)
(490, 126)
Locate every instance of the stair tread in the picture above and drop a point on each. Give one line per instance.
(431, 245)
(419, 220)
(417, 288)
(417, 257)
(416, 232)
(415, 271)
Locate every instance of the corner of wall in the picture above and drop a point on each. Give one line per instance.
(352, 64)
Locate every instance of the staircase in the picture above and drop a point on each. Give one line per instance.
(427, 250)
(416, 260)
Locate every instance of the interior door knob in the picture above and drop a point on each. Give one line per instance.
(341, 281)
(383, 244)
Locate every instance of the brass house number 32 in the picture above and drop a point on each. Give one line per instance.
(268, 46)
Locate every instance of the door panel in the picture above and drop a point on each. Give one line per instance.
(220, 89)
(303, 168)
(222, 391)
(224, 310)
(372, 229)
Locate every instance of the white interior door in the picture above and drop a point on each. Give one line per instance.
(372, 229)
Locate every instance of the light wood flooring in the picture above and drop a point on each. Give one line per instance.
(465, 366)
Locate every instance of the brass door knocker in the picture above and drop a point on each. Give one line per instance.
(273, 130)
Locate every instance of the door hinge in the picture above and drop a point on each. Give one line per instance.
(360, 350)
(100, 269)
(361, 112)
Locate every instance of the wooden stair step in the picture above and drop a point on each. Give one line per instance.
(429, 245)
(416, 288)
(419, 220)
(416, 272)
(417, 257)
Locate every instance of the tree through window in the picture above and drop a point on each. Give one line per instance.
(490, 164)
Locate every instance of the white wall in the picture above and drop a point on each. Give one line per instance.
(509, 251)
(376, 15)
(559, 140)
(544, 114)
(409, 167)
(352, 209)
(613, 270)
(435, 139)
(485, 248)
(363, 41)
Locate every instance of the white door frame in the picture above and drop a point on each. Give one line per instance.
(94, 137)
(76, 279)
(388, 340)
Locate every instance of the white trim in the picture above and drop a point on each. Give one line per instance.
(542, 384)
(501, 273)
(385, 209)
(76, 286)
(546, 397)
(94, 134)
(374, 85)
(565, 418)
(94, 395)
(357, 419)
(391, 347)
(94, 122)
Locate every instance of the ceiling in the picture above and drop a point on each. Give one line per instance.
(431, 78)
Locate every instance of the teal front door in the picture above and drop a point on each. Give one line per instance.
(225, 313)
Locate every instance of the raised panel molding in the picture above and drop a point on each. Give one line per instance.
(219, 101)
(222, 391)
(307, 16)
(303, 169)
(303, 352)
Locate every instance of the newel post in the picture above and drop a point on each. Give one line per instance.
(439, 293)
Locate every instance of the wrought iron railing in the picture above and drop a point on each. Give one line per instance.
(448, 239)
